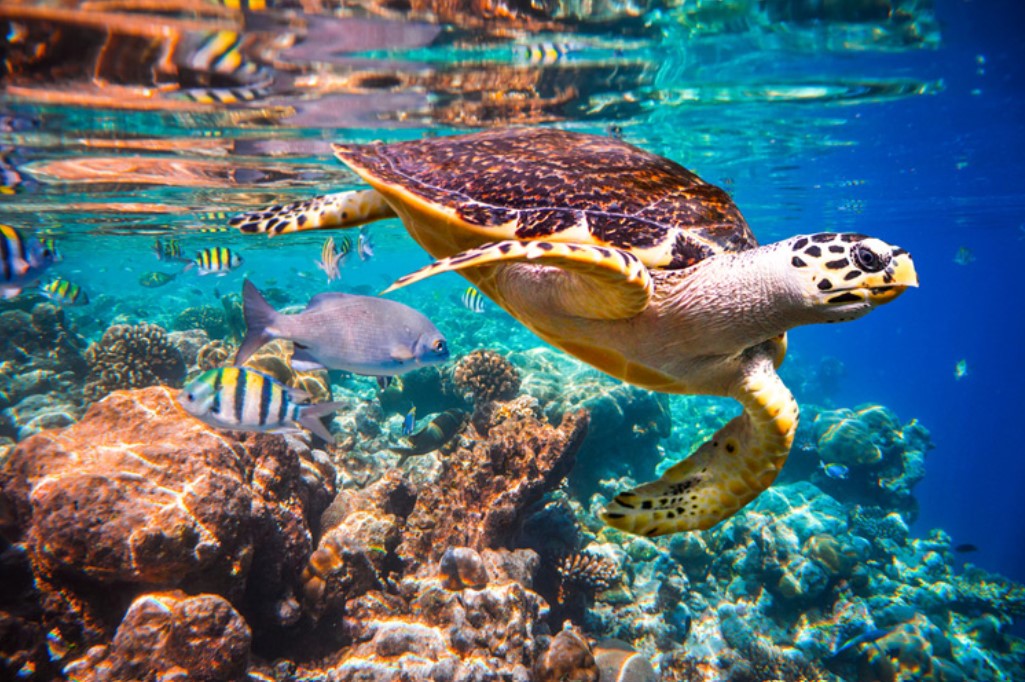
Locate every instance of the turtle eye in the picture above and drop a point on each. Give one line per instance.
(867, 259)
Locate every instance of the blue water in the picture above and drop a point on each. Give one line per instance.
(922, 146)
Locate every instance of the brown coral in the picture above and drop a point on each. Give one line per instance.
(205, 317)
(132, 356)
(487, 376)
(273, 359)
(586, 572)
(214, 354)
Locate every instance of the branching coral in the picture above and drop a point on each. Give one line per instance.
(487, 376)
(214, 354)
(583, 571)
(132, 356)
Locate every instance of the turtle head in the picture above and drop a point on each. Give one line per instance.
(844, 276)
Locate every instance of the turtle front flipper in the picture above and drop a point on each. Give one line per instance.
(605, 283)
(343, 209)
(740, 461)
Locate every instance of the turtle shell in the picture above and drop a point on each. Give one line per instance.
(555, 185)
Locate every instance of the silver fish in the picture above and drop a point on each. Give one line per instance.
(360, 334)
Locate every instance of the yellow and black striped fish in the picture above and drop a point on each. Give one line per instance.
(242, 399)
(63, 292)
(219, 260)
(171, 250)
(473, 300)
(50, 244)
(542, 54)
(22, 260)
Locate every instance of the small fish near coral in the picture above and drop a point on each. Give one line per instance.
(867, 637)
(246, 400)
(436, 434)
(152, 280)
(473, 300)
(218, 260)
(965, 548)
(835, 471)
(409, 421)
(63, 292)
(359, 334)
(22, 261)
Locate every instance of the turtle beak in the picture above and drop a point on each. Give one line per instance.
(893, 280)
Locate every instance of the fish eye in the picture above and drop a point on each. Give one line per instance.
(439, 346)
(868, 260)
(190, 397)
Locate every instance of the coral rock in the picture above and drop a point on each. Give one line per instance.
(619, 662)
(140, 495)
(483, 491)
(487, 376)
(462, 567)
(132, 357)
(567, 659)
(171, 635)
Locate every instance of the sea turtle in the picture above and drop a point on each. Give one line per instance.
(631, 263)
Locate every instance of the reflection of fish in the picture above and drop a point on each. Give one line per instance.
(169, 251)
(409, 421)
(473, 300)
(543, 54)
(152, 280)
(440, 431)
(218, 260)
(245, 400)
(22, 260)
(961, 370)
(330, 260)
(866, 637)
(838, 471)
(965, 548)
(364, 245)
(964, 256)
(360, 334)
(63, 292)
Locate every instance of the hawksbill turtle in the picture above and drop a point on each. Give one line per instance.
(631, 263)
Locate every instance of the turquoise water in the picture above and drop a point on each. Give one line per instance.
(907, 125)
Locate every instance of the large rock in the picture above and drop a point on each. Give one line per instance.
(139, 496)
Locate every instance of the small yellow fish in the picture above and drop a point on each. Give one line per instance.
(473, 300)
(961, 370)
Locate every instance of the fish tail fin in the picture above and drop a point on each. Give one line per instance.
(259, 314)
(309, 417)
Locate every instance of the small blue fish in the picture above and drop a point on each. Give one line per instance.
(63, 292)
(409, 421)
(866, 637)
(473, 300)
(22, 261)
(217, 260)
(964, 256)
(364, 245)
(242, 399)
(960, 370)
(837, 471)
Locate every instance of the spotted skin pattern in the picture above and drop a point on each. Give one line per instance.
(629, 282)
(343, 209)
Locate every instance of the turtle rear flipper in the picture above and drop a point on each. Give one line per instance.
(606, 284)
(351, 208)
(740, 461)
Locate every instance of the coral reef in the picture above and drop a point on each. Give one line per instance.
(273, 359)
(486, 376)
(139, 497)
(132, 356)
(206, 317)
(587, 572)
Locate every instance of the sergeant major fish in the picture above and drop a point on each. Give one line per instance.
(473, 300)
(218, 260)
(63, 292)
(22, 261)
(245, 400)
(360, 334)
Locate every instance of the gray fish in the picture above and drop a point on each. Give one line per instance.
(360, 334)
